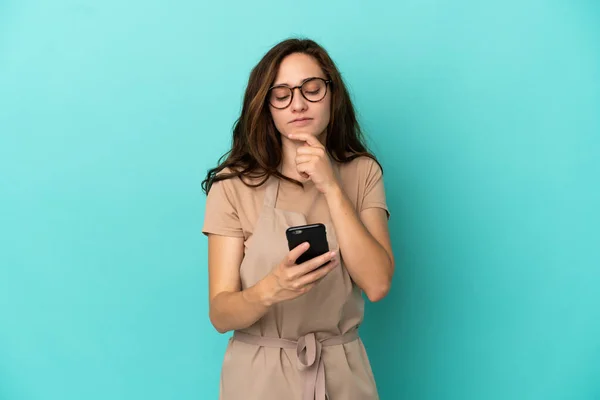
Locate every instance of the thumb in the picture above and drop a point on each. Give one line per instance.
(295, 253)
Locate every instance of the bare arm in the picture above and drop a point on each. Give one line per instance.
(363, 239)
(365, 243)
(232, 308)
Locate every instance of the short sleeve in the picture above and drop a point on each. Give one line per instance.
(221, 215)
(374, 192)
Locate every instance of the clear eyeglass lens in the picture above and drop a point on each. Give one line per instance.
(280, 96)
(313, 90)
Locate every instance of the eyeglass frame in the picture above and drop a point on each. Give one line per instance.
(293, 90)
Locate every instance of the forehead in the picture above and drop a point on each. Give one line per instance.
(297, 67)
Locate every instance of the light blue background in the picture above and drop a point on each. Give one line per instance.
(485, 116)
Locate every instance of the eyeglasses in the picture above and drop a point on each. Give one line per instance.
(313, 90)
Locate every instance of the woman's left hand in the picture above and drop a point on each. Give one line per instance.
(312, 162)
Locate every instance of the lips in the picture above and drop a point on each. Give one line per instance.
(301, 120)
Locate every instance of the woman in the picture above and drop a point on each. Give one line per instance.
(297, 158)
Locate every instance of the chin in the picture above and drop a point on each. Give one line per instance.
(300, 131)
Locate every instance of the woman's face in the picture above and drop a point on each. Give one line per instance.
(302, 115)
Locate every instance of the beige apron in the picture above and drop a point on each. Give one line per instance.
(303, 349)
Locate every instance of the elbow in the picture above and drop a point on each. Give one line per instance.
(379, 292)
(215, 323)
(219, 328)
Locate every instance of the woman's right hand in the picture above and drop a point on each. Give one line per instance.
(289, 280)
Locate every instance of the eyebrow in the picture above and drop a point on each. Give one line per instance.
(304, 80)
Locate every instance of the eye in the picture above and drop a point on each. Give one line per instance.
(280, 93)
(313, 87)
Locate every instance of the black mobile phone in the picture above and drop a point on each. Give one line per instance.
(314, 234)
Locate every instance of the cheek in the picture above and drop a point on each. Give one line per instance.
(278, 119)
(325, 115)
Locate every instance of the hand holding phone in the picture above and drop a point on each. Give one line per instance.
(303, 267)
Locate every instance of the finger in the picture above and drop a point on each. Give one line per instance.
(315, 151)
(303, 158)
(299, 270)
(304, 168)
(298, 278)
(315, 276)
(309, 139)
(316, 262)
(295, 253)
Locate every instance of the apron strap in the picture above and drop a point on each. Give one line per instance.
(271, 192)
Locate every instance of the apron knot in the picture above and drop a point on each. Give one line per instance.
(308, 355)
(308, 351)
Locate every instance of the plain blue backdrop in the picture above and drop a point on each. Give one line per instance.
(485, 116)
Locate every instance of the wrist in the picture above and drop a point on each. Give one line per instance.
(265, 292)
(333, 192)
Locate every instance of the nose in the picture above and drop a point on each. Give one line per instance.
(299, 103)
